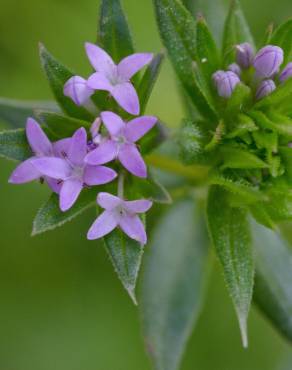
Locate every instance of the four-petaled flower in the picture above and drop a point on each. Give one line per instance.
(120, 213)
(121, 142)
(72, 171)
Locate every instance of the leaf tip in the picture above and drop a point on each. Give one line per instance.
(243, 330)
(132, 294)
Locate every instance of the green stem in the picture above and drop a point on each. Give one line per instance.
(167, 164)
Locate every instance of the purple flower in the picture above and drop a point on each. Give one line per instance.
(235, 69)
(120, 213)
(72, 171)
(41, 147)
(226, 83)
(217, 76)
(268, 60)
(116, 78)
(286, 73)
(121, 142)
(244, 55)
(265, 88)
(76, 88)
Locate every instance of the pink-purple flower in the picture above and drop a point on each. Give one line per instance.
(286, 73)
(265, 88)
(120, 213)
(225, 83)
(77, 89)
(244, 55)
(72, 171)
(121, 143)
(268, 60)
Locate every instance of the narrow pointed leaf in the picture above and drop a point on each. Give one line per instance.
(126, 257)
(282, 37)
(114, 34)
(50, 216)
(178, 32)
(57, 75)
(229, 230)
(236, 31)
(15, 112)
(148, 81)
(273, 290)
(14, 145)
(282, 126)
(239, 158)
(61, 126)
(174, 282)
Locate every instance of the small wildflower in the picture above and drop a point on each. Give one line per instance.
(226, 83)
(244, 55)
(121, 142)
(265, 88)
(120, 213)
(72, 172)
(286, 73)
(268, 60)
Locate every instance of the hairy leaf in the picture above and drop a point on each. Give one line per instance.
(173, 285)
(282, 126)
(238, 158)
(229, 230)
(57, 75)
(114, 34)
(50, 216)
(15, 112)
(273, 290)
(14, 145)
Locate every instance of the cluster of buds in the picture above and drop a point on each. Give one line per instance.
(71, 164)
(264, 67)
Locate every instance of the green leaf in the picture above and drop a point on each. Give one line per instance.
(283, 92)
(229, 230)
(57, 75)
(61, 126)
(279, 206)
(190, 142)
(14, 145)
(286, 155)
(50, 216)
(207, 52)
(238, 100)
(272, 291)
(239, 158)
(282, 37)
(174, 283)
(178, 32)
(236, 31)
(148, 81)
(284, 126)
(114, 34)
(126, 257)
(16, 112)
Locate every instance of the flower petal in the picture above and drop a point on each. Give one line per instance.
(133, 63)
(99, 81)
(126, 96)
(98, 175)
(133, 227)
(78, 90)
(132, 160)
(104, 153)
(24, 172)
(99, 59)
(138, 127)
(37, 139)
(69, 193)
(78, 147)
(61, 147)
(56, 168)
(54, 185)
(108, 201)
(138, 206)
(114, 124)
(102, 226)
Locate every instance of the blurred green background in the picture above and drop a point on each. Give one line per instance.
(62, 306)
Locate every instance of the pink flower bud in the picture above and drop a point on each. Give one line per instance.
(235, 69)
(227, 83)
(286, 73)
(244, 55)
(268, 60)
(76, 88)
(217, 76)
(265, 88)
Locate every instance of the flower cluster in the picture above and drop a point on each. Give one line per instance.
(73, 163)
(260, 71)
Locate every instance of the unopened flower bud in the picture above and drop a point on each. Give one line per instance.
(235, 69)
(265, 88)
(227, 83)
(94, 130)
(244, 55)
(76, 88)
(268, 60)
(217, 76)
(286, 73)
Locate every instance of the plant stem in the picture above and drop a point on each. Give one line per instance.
(193, 172)
(121, 185)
